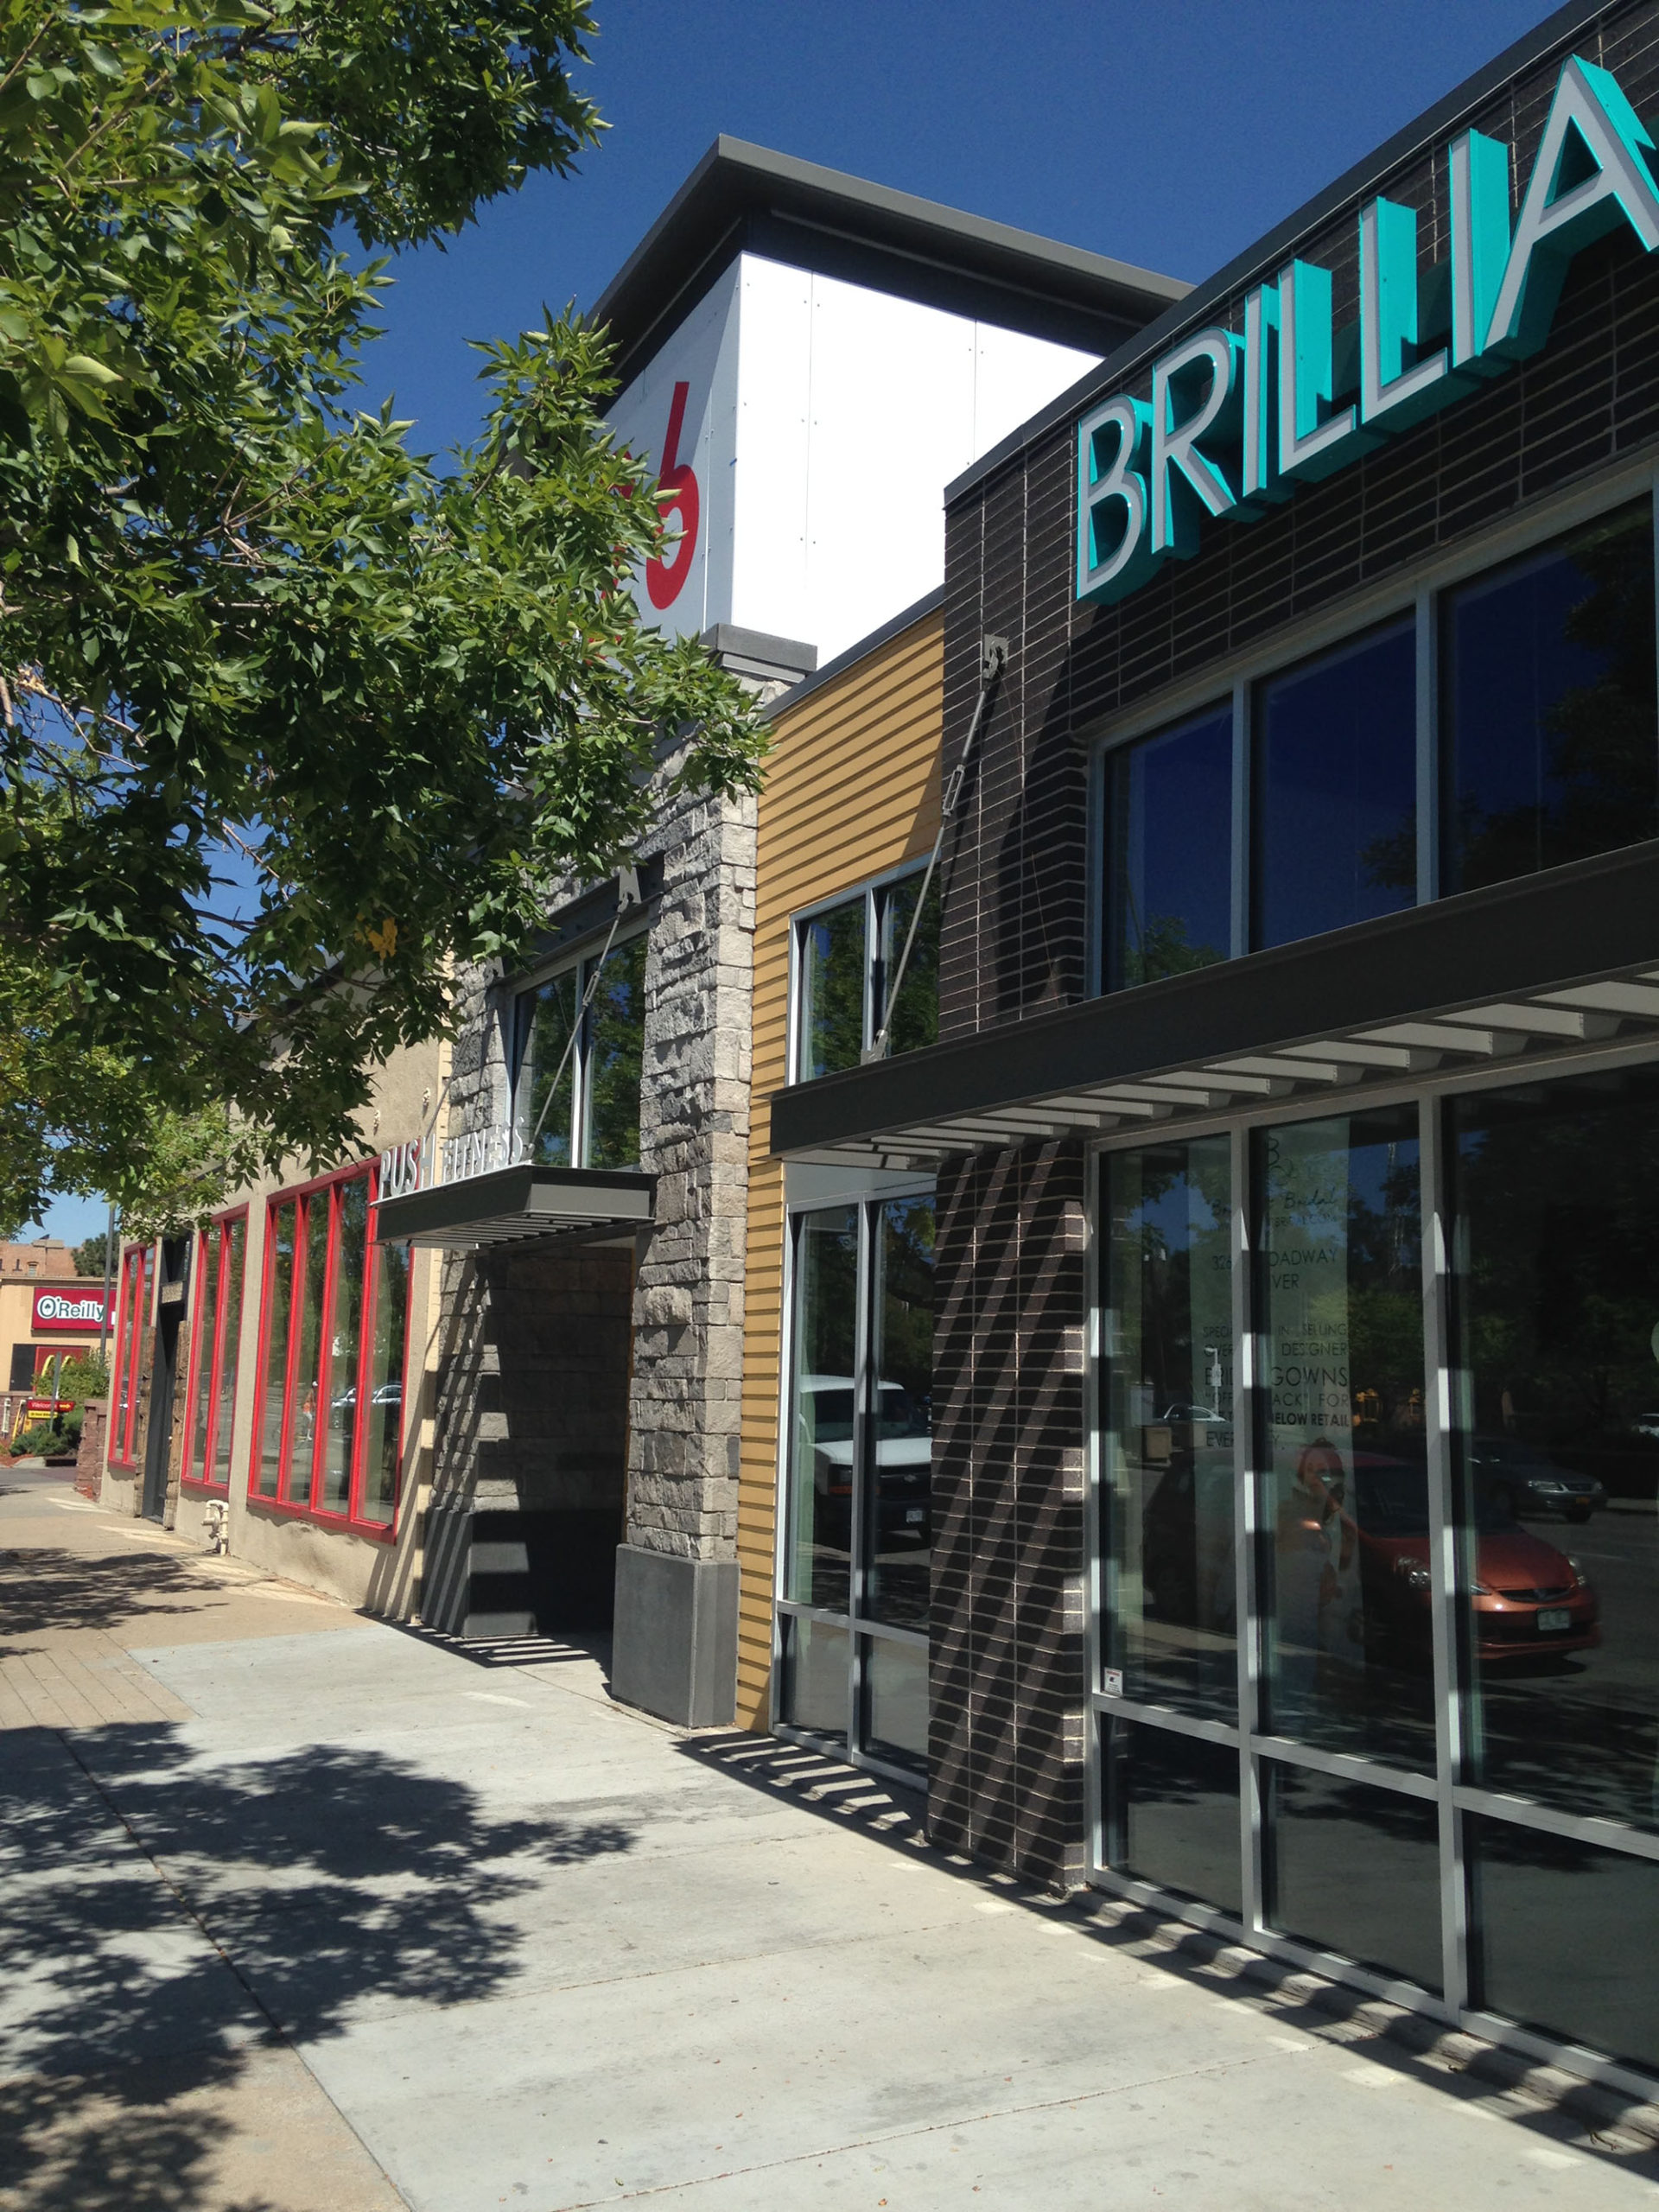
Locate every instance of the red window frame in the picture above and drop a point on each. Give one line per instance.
(215, 1238)
(289, 1474)
(132, 1311)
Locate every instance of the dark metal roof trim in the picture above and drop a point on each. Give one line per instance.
(894, 627)
(1460, 975)
(511, 1205)
(1265, 257)
(702, 227)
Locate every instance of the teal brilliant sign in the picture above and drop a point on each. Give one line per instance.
(1235, 420)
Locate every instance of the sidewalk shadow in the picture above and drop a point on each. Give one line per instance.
(818, 1783)
(42, 1589)
(1391, 2038)
(296, 1891)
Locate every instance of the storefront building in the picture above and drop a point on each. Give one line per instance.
(47, 1320)
(846, 954)
(1294, 1120)
(271, 1392)
(808, 359)
(489, 1374)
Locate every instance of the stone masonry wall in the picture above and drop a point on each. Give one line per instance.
(683, 1402)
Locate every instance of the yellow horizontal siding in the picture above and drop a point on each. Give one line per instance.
(852, 790)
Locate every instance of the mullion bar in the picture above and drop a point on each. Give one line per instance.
(863, 1315)
(1245, 1493)
(1442, 1541)
(1166, 1717)
(1543, 1820)
(1096, 1535)
(1428, 784)
(1290, 1750)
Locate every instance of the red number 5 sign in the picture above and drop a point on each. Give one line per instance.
(676, 493)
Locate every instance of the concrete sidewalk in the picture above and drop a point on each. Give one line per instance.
(302, 1913)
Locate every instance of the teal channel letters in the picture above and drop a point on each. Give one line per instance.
(1265, 403)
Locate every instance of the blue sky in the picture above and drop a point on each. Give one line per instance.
(1168, 133)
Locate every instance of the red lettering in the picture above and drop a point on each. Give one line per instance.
(676, 493)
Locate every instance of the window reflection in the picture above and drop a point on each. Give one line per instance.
(1336, 788)
(822, 1410)
(895, 1700)
(278, 1318)
(1345, 1493)
(544, 1096)
(833, 957)
(913, 1017)
(1169, 1433)
(816, 1658)
(1551, 752)
(899, 1465)
(1557, 1196)
(616, 1030)
(1169, 866)
(1173, 1803)
(1356, 1869)
(1560, 1926)
(236, 1245)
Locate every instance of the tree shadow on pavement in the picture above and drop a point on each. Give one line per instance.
(43, 1590)
(297, 1892)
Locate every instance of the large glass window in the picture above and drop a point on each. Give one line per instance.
(1557, 1196)
(1167, 1450)
(1543, 741)
(580, 1039)
(332, 1339)
(859, 1493)
(1566, 1937)
(1173, 1803)
(1354, 1869)
(274, 1324)
(1169, 852)
(132, 1324)
(1344, 1479)
(848, 959)
(215, 1345)
(1550, 741)
(1445, 1766)
(1336, 788)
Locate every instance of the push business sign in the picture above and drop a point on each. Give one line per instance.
(1236, 419)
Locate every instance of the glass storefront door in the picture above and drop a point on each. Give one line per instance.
(852, 1609)
(1377, 1661)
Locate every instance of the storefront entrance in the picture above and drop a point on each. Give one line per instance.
(856, 1558)
(1378, 1645)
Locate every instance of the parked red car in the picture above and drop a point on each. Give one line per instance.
(1528, 1598)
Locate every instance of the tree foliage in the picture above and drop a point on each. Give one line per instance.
(238, 616)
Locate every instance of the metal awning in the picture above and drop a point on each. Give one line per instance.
(509, 1205)
(1513, 974)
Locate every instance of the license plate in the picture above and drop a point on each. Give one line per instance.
(915, 1514)
(1552, 1619)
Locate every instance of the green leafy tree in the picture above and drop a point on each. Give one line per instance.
(90, 1257)
(238, 616)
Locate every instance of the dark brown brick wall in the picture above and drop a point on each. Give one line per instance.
(1007, 1651)
(1016, 873)
(1008, 1658)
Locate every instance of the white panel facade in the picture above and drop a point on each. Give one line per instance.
(691, 587)
(821, 422)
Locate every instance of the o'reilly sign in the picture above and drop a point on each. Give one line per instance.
(1235, 420)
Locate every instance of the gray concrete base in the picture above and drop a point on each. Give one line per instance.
(675, 1640)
